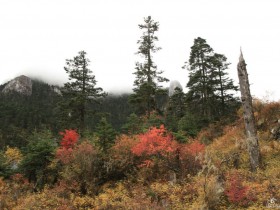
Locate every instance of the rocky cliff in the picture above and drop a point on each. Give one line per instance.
(21, 84)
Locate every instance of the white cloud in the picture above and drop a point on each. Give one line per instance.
(37, 36)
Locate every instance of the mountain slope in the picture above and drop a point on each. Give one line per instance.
(23, 109)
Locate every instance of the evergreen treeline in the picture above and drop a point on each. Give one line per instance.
(81, 105)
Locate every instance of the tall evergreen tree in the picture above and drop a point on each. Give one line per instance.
(81, 89)
(224, 87)
(146, 73)
(199, 84)
(210, 94)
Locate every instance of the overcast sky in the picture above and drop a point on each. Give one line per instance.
(38, 35)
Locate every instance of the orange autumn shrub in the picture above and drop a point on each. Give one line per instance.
(69, 138)
(154, 144)
(156, 141)
(156, 152)
(194, 148)
(65, 152)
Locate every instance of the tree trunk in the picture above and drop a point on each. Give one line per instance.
(84, 97)
(246, 99)
(222, 91)
(149, 80)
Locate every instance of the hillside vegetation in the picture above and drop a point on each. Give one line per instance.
(149, 170)
(76, 147)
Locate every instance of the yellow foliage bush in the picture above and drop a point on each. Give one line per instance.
(114, 198)
(44, 200)
(125, 196)
(174, 196)
(229, 150)
(11, 191)
(6, 200)
(83, 202)
(13, 156)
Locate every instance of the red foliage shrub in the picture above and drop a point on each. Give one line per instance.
(155, 141)
(67, 155)
(194, 148)
(64, 155)
(236, 192)
(69, 138)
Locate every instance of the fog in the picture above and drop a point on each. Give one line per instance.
(37, 37)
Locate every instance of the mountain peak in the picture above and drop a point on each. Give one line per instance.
(21, 84)
(173, 85)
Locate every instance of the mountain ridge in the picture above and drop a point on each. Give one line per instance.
(21, 84)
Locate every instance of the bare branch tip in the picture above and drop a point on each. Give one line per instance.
(241, 55)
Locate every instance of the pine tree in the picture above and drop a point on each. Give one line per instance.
(106, 134)
(38, 154)
(210, 94)
(200, 90)
(224, 87)
(81, 89)
(146, 73)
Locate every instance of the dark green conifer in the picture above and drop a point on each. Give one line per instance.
(210, 94)
(147, 75)
(200, 89)
(223, 85)
(81, 89)
(106, 134)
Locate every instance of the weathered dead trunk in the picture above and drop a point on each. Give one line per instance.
(246, 99)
